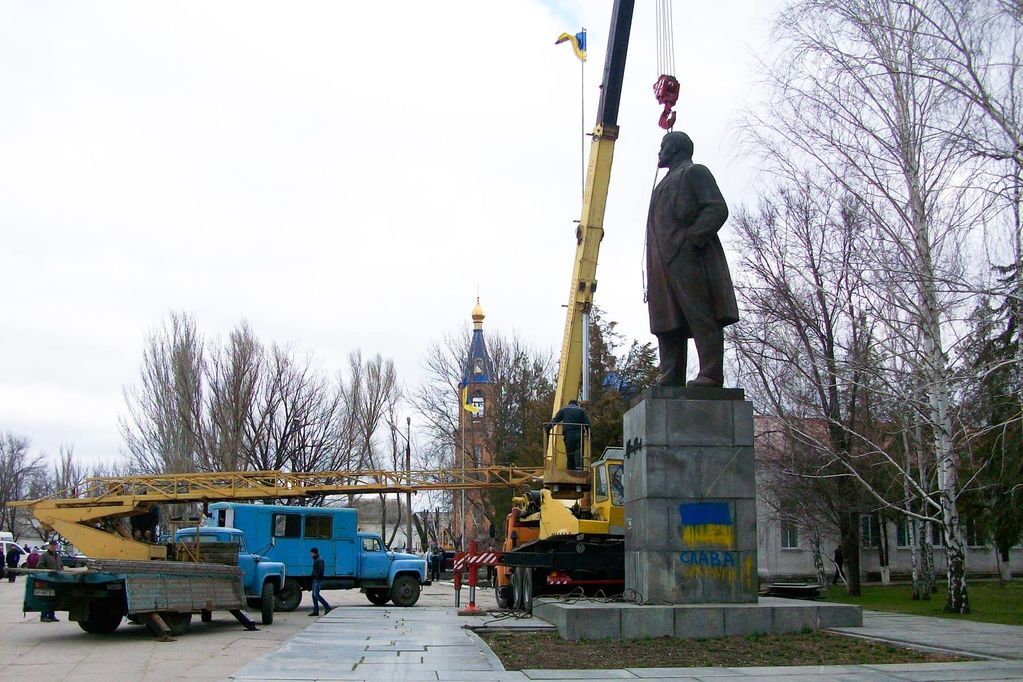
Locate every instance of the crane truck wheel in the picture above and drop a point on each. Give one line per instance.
(503, 595)
(405, 591)
(102, 620)
(516, 581)
(266, 605)
(289, 597)
(378, 595)
(206, 616)
(527, 591)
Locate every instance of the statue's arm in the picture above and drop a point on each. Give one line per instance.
(713, 211)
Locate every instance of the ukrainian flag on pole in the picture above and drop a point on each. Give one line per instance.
(578, 43)
(467, 404)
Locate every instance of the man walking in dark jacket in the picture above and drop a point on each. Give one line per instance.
(573, 419)
(318, 571)
(13, 557)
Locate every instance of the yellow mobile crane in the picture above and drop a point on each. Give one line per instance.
(570, 532)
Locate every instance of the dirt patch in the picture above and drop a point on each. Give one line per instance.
(548, 650)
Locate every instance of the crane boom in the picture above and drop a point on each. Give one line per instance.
(590, 231)
(78, 514)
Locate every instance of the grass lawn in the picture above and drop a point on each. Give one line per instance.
(989, 603)
(547, 650)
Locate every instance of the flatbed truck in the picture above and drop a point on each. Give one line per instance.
(163, 595)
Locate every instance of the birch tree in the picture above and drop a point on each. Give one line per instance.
(848, 96)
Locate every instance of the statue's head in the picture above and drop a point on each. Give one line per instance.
(675, 147)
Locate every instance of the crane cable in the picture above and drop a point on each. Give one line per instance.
(666, 88)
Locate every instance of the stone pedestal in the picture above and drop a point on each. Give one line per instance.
(690, 507)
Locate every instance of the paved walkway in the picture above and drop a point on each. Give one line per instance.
(943, 634)
(431, 643)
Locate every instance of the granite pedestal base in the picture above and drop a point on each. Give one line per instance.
(771, 615)
(690, 506)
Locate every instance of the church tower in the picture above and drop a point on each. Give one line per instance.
(475, 397)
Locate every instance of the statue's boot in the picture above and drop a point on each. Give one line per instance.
(711, 349)
(671, 349)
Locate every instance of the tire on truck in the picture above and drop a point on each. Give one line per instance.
(266, 603)
(378, 595)
(405, 590)
(176, 621)
(103, 618)
(290, 596)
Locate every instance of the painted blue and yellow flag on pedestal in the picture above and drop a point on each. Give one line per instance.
(707, 525)
(578, 43)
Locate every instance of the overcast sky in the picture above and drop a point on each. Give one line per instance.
(343, 175)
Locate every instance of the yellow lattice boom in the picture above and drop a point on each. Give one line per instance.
(80, 514)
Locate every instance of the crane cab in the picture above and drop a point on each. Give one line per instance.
(607, 494)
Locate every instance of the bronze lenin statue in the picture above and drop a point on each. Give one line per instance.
(689, 289)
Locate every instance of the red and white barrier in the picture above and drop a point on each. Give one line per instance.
(471, 561)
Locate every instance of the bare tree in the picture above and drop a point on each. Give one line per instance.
(163, 429)
(18, 468)
(232, 379)
(299, 420)
(801, 343)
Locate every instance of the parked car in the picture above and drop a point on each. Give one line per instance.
(70, 560)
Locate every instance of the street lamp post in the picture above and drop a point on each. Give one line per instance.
(408, 469)
(408, 475)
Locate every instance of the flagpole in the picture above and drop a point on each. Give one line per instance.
(582, 123)
(461, 542)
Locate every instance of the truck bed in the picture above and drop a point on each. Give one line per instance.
(147, 586)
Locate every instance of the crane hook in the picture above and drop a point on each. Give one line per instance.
(666, 90)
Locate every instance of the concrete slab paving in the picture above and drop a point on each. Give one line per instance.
(942, 634)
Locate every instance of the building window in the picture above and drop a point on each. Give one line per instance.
(318, 527)
(870, 530)
(937, 535)
(903, 532)
(287, 525)
(789, 535)
(975, 535)
(477, 455)
(477, 402)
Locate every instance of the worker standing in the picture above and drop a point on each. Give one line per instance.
(573, 420)
(50, 561)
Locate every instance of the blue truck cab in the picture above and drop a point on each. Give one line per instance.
(353, 559)
(262, 578)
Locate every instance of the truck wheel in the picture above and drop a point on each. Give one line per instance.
(405, 591)
(102, 620)
(177, 622)
(378, 595)
(516, 581)
(289, 597)
(206, 616)
(267, 603)
(527, 591)
(503, 595)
